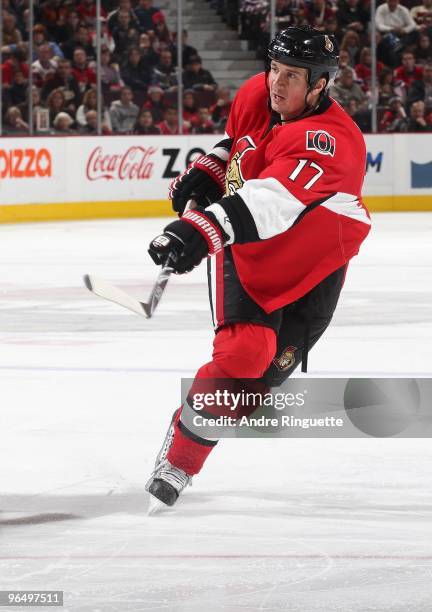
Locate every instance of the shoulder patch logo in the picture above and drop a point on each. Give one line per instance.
(320, 141)
(286, 359)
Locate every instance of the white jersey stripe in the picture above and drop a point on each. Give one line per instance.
(348, 205)
(273, 208)
(212, 261)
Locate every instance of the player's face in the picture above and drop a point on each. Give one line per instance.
(288, 87)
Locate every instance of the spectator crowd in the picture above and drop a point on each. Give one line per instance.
(139, 64)
(404, 53)
(138, 71)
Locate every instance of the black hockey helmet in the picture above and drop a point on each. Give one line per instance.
(305, 47)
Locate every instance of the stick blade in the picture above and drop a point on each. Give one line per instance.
(114, 294)
(147, 309)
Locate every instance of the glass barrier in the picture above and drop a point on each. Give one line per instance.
(101, 67)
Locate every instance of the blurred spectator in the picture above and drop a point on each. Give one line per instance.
(187, 51)
(190, 109)
(106, 38)
(37, 107)
(386, 87)
(422, 14)
(36, 104)
(64, 79)
(161, 33)
(408, 72)
(220, 110)
(145, 125)
(169, 126)
(423, 50)
(17, 92)
(133, 73)
(52, 14)
(203, 124)
(81, 40)
(391, 17)
(90, 126)
(332, 28)
(351, 43)
(89, 103)
(63, 124)
(84, 75)
(287, 12)
(56, 103)
(87, 12)
(361, 115)
(13, 122)
(165, 74)
(195, 77)
(344, 63)
(318, 12)
(11, 34)
(44, 67)
(394, 118)
(125, 33)
(345, 89)
(422, 90)
(417, 121)
(40, 38)
(124, 5)
(352, 16)
(146, 14)
(364, 68)
(155, 103)
(110, 73)
(16, 63)
(66, 27)
(124, 112)
(149, 57)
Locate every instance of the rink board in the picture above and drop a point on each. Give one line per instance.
(45, 179)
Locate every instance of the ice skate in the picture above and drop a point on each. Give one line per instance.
(165, 486)
(166, 482)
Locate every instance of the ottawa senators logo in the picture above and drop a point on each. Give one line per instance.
(234, 178)
(328, 44)
(320, 141)
(286, 359)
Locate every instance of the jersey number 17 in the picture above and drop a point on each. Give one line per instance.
(303, 163)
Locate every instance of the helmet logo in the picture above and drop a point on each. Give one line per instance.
(320, 141)
(328, 44)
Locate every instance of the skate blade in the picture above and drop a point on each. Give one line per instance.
(156, 506)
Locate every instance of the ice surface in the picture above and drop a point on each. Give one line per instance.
(87, 390)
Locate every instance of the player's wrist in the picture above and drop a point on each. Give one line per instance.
(222, 149)
(207, 224)
(235, 219)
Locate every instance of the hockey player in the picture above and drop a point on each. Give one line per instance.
(279, 240)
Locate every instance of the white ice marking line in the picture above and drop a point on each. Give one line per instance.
(77, 369)
(346, 374)
(176, 556)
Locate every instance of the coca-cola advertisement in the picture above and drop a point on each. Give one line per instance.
(133, 163)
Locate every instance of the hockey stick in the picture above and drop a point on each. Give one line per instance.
(118, 296)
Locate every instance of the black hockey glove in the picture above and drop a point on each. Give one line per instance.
(203, 181)
(188, 240)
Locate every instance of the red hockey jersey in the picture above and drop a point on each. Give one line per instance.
(301, 183)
